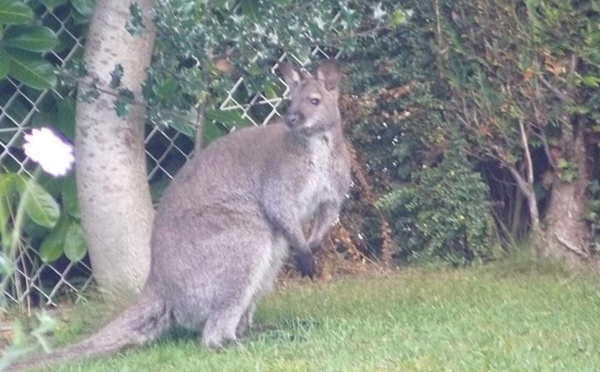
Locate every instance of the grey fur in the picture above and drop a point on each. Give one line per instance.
(224, 225)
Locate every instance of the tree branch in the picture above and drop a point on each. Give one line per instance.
(559, 93)
(200, 119)
(523, 185)
(528, 160)
(571, 247)
(542, 137)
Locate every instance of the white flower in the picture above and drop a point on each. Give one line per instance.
(237, 18)
(258, 29)
(378, 12)
(320, 23)
(49, 151)
(273, 38)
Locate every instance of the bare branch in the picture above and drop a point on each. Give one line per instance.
(200, 120)
(559, 93)
(523, 185)
(544, 139)
(528, 161)
(578, 251)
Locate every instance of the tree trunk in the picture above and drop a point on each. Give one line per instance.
(113, 190)
(567, 235)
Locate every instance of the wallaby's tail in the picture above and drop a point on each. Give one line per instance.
(142, 322)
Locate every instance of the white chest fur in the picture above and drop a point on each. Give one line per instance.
(317, 186)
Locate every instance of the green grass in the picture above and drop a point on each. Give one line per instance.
(502, 317)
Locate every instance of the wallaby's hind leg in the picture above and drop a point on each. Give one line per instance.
(220, 327)
(246, 320)
(240, 288)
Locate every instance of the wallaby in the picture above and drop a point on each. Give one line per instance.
(225, 223)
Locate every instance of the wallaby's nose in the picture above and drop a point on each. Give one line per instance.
(292, 119)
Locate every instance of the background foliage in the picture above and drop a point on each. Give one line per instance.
(36, 37)
(204, 47)
(523, 78)
(436, 92)
(442, 213)
(412, 154)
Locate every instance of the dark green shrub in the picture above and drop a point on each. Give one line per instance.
(443, 213)
(436, 205)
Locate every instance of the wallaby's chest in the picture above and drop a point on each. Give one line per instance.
(318, 184)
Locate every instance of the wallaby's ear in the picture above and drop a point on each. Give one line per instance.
(291, 76)
(329, 74)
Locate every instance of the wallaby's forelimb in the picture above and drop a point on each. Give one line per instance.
(290, 227)
(326, 215)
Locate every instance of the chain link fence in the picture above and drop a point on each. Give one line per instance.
(45, 284)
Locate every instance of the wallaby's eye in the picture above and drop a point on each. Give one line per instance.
(315, 101)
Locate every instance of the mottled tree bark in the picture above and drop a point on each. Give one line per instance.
(567, 235)
(113, 190)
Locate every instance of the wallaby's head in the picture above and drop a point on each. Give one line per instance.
(314, 101)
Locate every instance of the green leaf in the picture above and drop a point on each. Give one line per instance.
(250, 9)
(19, 182)
(562, 163)
(255, 70)
(84, 7)
(17, 110)
(15, 11)
(43, 118)
(51, 4)
(39, 205)
(135, 25)
(19, 334)
(52, 246)
(69, 196)
(211, 132)
(124, 99)
(594, 188)
(75, 247)
(31, 69)
(231, 118)
(65, 117)
(78, 18)
(4, 216)
(398, 17)
(271, 90)
(7, 181)
(115, 76)
(157, 189)
(31, 38)
(223, 4)
(402, 150)
(4, 64)
(33, 231)
(167, 88)
(183, 126)
(51, 184)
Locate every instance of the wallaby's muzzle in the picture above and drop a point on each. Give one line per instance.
(294, 120)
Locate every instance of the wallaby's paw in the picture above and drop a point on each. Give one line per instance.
(305, 262)
(220, 344)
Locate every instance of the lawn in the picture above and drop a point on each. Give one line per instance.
(500, 317)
